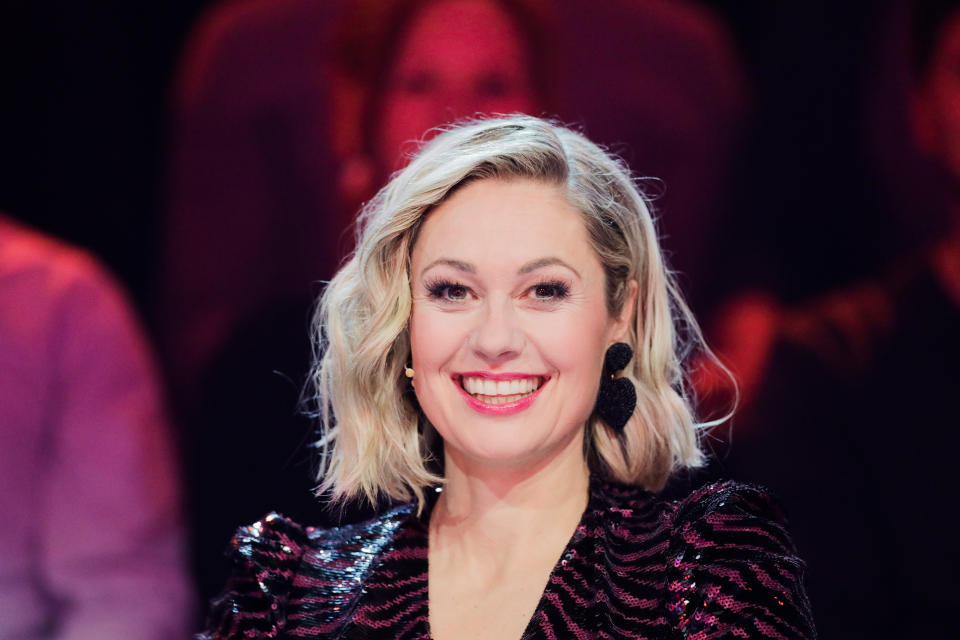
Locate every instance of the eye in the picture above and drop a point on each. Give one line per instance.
(446, 291)
(456, 292)
(550, 291)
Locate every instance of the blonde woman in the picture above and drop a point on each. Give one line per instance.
(508, 300)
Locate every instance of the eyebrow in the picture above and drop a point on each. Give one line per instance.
(533, 265)
(539, 263)
(459, 265)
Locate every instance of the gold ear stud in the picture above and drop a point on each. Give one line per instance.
(408, 371)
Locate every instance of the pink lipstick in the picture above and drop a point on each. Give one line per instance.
(502, 409)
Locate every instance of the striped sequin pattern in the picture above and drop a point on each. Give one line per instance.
(717, 564)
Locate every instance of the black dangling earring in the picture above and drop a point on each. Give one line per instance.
(617, 399)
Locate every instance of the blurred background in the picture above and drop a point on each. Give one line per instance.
(803, 158)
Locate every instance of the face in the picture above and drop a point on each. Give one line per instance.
(509, 323)
(458, 58)
(937, 101)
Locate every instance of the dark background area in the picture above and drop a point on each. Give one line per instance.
(84, 121)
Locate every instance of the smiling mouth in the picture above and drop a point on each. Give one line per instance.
(496, 392)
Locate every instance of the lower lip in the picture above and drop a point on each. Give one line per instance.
(505, 409)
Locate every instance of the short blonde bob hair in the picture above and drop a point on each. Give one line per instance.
(374, 436)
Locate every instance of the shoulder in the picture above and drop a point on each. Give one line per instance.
(264, 556)
(713, 515)
(732, 511)
(49, 281)
(269, 544)
(278, 562)
(71, 316)
(722, 515)
(26, 253)
(277, 540)
(733, 566)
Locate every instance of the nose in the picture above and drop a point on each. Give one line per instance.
(498, 337)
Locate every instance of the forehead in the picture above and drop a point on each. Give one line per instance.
(505, 222)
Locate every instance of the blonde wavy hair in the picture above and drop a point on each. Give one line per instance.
(374, 438)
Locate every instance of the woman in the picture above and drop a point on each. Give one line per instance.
(508, 295)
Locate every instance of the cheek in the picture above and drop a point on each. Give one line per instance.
(435, 338)
(574, 347)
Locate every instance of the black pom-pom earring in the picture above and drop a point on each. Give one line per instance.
(617, 399)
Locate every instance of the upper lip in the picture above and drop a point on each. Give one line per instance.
(499, 376)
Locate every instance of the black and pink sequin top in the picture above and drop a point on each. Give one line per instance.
(717, 564)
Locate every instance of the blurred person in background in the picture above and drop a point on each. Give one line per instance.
(92, 542)
(852, 422)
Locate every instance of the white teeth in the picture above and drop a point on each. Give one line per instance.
(500, 391)
(500, 399)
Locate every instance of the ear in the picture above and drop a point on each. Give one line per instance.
(620, 328)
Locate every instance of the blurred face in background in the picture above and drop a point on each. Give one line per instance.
(937, 101)
(457, 58)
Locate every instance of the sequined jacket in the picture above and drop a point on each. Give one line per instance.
(719, 563)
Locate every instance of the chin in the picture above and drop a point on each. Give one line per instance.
(507, 444)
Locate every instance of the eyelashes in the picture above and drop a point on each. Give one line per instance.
(450, 291)
(447, 290)
(550, 290)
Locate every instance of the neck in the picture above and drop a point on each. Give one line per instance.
(505, 506)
